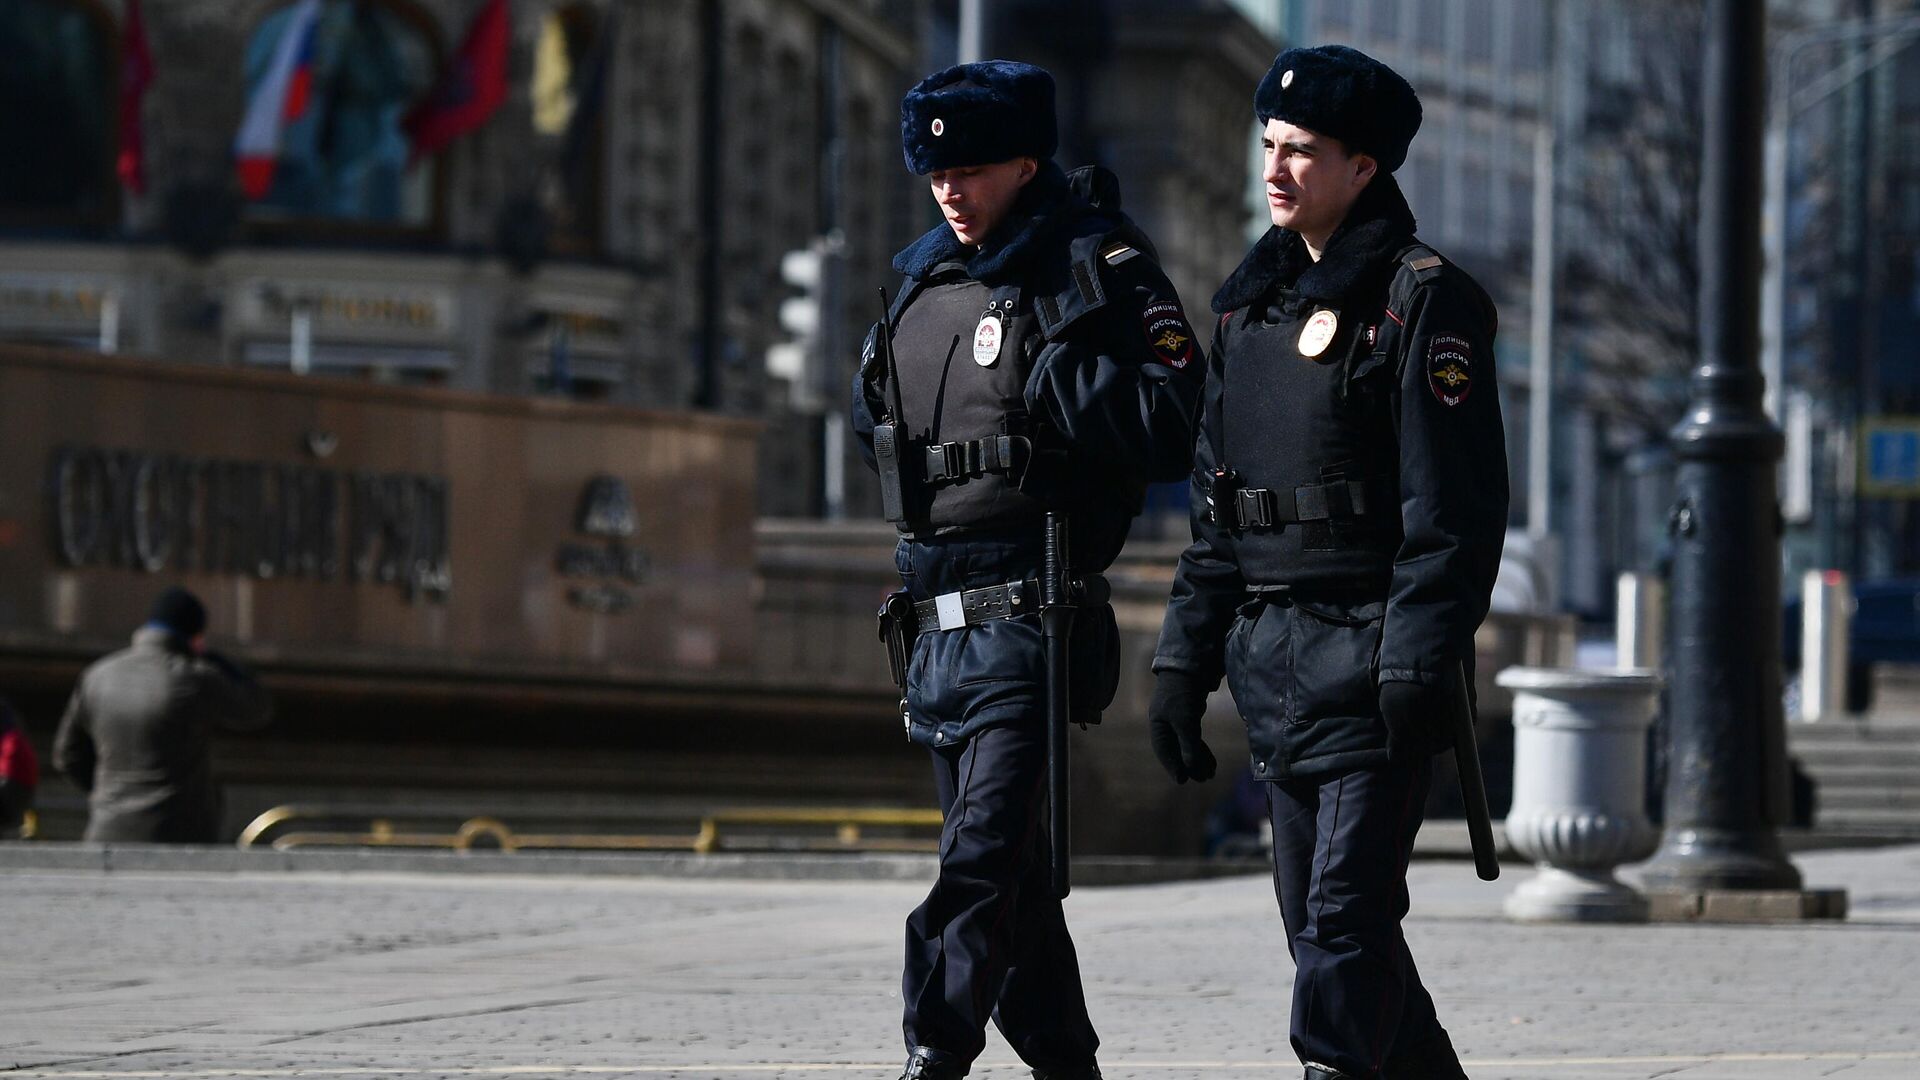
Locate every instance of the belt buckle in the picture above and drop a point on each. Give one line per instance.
(1254, 512)
(952, 610)
(941, 461)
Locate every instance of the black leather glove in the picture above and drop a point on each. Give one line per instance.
(1416, 716)
(1173, 725)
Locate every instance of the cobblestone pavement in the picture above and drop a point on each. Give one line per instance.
(199, 975)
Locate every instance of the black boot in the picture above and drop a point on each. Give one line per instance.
(928, 1064)
(1317, 1071)
(1431, 1060)
(1089, 1071)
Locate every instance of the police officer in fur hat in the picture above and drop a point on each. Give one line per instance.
(1349, 500)
(1043, 364)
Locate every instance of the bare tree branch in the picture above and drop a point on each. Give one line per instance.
(1632, 285)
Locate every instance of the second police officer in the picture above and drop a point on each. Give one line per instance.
(1350, 501)
(1044, 364)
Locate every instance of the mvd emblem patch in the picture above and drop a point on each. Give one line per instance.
(1168, 332)
(1449, 368)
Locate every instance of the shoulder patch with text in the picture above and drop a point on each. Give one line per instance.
(1449, 368)
(1168, 333)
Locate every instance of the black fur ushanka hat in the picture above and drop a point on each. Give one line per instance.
(1344, 93)
(978, 114)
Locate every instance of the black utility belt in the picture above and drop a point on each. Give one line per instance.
(950, 462)
(1237, 507)
(971, 607)
(1324, 603)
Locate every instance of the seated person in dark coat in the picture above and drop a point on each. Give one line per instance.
(136, 732)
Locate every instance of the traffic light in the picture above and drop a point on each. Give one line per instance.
(801, 270)
(811, 276)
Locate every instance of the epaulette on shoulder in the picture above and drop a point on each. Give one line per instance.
(1118, 253)
(1423, 261)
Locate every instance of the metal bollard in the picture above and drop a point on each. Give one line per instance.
(1641, 623)
(1826, 616)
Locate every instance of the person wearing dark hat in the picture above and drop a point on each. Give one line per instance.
(136, 732)
(1349, 501)
(1044, 364)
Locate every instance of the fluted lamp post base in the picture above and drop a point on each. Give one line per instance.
(1557, 894)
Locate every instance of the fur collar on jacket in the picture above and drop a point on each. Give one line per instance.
(1046, 206)
(1358, 259)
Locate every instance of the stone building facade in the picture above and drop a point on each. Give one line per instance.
(610, 229)
(462, 286)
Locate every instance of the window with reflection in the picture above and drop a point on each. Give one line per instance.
(346, 158)
(570, 88)
(1383, 21)
(1479, 31)
(1430, 31)
(58, 63)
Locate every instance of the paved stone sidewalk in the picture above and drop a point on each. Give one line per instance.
(177, 975)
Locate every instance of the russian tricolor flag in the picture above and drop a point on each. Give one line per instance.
(280, 98)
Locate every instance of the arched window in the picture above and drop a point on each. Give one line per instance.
(345, 159)
(571, 72)
(57, 68)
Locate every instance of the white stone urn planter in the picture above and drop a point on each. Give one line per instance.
(1579, 789)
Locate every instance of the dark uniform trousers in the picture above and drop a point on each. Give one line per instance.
(991, 939)
(1340, 850)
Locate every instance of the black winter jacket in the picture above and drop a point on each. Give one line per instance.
(1400, 400)
(1114, 373)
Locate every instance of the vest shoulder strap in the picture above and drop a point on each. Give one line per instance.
(1093, 262)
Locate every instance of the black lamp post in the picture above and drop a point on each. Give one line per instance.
(1727, 783)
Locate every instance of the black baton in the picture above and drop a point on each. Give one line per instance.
(1056, 623)
(1473, 785)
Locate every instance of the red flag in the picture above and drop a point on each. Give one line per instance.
(136, 73)
(473, 87)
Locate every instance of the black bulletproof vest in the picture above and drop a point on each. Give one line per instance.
(948, 397)
(1291, 421)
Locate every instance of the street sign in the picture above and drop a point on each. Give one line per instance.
(1890, 457)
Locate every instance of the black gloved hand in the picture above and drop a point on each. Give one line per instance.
(1173, 726)
(1416, 716)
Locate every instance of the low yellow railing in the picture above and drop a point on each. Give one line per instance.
(849, 825)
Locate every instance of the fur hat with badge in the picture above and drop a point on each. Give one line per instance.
(1344, 93)
(978, 114)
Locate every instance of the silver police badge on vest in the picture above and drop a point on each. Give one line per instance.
(986, 339)
(1318, 333)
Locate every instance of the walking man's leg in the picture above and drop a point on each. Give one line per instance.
(989, 941)
(1358, 1004)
